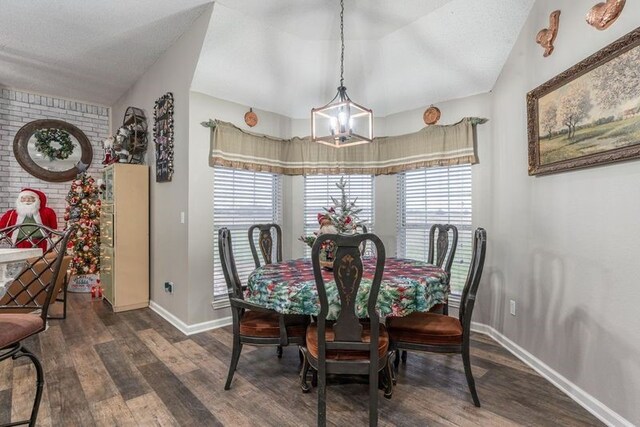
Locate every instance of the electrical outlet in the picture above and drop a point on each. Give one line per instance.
(181, 217)
(168, 287)
(512, 307)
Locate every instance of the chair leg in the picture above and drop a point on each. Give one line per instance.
(396, 359)
(467, 371)
(39, 385)
(314, 378)
(303, 374)
(322, 398)
(404, 357)
(279, 352)
(373, 396)
(390, 381)
(300, 356)
(235, 356)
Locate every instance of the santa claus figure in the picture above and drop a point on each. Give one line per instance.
(31, 208)
(326, 225)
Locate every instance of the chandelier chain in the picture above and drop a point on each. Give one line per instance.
(342, 43)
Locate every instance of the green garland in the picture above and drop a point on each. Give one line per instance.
(44, 138)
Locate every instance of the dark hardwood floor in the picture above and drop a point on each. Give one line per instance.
(134, 368)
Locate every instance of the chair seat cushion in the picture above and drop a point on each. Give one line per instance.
(16, 327)
(312, 343)
(425, 328)
(267, 325)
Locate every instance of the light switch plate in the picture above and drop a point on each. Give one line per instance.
(512, 307)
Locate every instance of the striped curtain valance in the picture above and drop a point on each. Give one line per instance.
(430, 146)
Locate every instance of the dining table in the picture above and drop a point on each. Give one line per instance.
(408, 285)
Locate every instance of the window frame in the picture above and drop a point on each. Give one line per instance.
(436, 188)
(228, 208)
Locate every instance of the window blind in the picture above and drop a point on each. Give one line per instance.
(318, 190)
(430, 196)
(240, 199)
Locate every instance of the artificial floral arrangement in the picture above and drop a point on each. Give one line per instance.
(341, 218)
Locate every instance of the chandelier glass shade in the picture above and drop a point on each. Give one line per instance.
(341, 122)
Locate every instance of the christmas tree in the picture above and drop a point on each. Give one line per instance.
(342, 217)
(344, 214)
(83, 209)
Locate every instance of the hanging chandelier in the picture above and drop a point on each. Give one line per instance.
(341, 122)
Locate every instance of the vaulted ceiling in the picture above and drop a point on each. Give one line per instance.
(276, 55)
(91, 50)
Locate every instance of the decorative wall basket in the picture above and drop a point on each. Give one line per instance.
(163, 137)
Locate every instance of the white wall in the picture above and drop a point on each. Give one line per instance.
(172, 72)
(565, 246)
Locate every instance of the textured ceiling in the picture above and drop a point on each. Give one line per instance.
(283, 55)
(92, 50)
(276, 55)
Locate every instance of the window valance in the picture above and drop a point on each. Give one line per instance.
(431, 146)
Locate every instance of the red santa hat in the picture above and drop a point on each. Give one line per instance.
(39, 195)
(29, 192)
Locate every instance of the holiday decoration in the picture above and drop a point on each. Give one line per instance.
(83, 209)
(46, 139)
(31, 208)
(341, 218)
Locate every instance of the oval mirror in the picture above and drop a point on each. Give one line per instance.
(52, 149)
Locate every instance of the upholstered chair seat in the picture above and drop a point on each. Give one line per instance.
(312, 344)
(267, 325)
(14, 327)
(426, 328)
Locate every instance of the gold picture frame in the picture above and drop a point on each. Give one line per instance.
(589, 114)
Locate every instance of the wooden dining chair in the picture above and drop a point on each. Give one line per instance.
(349, 345)
(265, 243)
(440, 333)
(32, 292)
(253, 324)
(442, 250)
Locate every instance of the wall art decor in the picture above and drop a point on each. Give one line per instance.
(52, 149)
(588, 114)
(163, 137)
(251, 118)
(602, 15)
(547, 36)
(431, 115)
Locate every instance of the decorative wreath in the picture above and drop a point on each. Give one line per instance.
(44, 138)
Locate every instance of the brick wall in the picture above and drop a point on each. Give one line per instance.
(18, 108)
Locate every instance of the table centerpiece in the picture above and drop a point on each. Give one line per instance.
(341, 218)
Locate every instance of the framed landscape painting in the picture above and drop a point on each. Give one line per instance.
(589, 114)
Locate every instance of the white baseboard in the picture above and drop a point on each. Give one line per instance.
(584, 399)
(186, 328)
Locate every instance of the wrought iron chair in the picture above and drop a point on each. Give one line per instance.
(439, 333)
(265, 242)
(348, 346)
(253, 324)
(33, 291)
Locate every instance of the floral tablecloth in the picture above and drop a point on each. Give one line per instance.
(407, 286)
